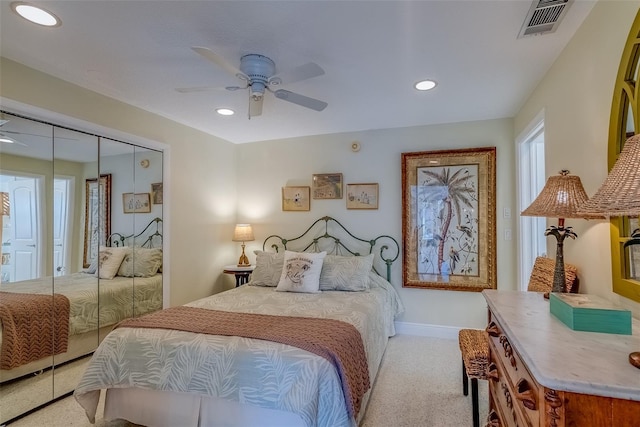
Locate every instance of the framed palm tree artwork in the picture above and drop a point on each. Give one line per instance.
(449, 219)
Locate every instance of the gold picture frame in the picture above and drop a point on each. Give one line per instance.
(327, 186)
(97, 216)
(449, 219)
(136, 202)
(362, 196)
(296, 198)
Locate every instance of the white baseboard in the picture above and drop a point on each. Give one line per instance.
(424, 330)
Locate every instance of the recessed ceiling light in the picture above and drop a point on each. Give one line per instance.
(35, 14)
(225, 112)
(425, 85)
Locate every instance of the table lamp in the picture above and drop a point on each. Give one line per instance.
(243, 233)
(619, 195)
(560, 198)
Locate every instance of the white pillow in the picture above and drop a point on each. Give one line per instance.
(268, 269)
(141, 262)
(346, 273)
(301, 272)
(109, 260)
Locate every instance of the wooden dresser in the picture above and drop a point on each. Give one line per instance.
(542, 373)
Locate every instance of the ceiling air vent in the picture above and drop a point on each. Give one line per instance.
(544, 17)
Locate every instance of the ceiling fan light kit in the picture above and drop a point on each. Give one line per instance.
(258, 73)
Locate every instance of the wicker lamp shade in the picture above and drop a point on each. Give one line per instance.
(619, 195)
(561, 197)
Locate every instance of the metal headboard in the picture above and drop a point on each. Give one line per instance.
(118, 239)
(315, 239)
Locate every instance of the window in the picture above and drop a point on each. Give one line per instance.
(531, 180)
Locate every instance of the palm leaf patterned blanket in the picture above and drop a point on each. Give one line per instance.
(250, 371)
(338, 342)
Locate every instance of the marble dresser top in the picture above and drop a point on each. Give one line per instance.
(560, 358)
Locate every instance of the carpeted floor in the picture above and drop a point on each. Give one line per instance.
(419, 385)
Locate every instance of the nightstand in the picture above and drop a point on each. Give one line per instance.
(242, 273)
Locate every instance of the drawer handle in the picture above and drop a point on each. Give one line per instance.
(493, 419)
(525, 394)
(492, 372)
(493, 329)
(508, 352)
(507, 396)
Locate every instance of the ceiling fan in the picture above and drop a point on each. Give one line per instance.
(257, 73)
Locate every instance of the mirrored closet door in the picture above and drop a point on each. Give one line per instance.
(81, 250)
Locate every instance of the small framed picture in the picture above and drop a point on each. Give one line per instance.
(362, 196)
(136, 202)
(296, 198)
(156, 193)
(327, 186)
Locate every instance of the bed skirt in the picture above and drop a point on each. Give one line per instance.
(168, 409)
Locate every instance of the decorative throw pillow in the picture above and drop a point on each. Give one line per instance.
(346, 273)
(141, 262)
(268, 269)
(109, 260)
(301, 272)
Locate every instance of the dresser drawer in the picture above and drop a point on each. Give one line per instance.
(524, 391)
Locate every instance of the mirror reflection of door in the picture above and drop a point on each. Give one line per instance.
(63, 194)
(22, 246)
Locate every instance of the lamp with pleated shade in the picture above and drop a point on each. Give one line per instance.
(560, 198)
(243, 233)
(619, 195)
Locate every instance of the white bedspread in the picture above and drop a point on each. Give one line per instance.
(255, 372)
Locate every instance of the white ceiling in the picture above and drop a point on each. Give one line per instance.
(372, 53)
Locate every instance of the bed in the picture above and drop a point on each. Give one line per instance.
(165, 377)
(83, 308)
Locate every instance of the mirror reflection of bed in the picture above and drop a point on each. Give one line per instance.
(44, 275)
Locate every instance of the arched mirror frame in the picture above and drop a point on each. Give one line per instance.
(625, 121)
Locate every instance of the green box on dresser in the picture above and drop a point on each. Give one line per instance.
(591, 313)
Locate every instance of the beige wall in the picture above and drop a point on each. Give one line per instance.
(576, 96)
(267, 166)
(202, 207)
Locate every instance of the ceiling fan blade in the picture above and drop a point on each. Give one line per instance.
(207, 88)
(297, 74)
(195, 89)
(9, 140)
(220, 61)
(296, 98)
(255, 106)
(13, 132)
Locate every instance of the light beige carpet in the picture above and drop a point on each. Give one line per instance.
(419, 385)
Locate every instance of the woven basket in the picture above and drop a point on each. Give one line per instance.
(541, 279)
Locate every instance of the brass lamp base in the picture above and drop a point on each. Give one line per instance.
(634, 359)
(243, 261)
